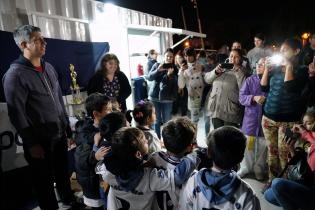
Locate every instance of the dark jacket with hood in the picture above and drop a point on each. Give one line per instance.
(35, 104)
(85, 161)
(208, 189)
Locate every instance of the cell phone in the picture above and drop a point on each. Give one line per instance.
(167, 65)
(290, 135)
(227, 65)
(288, 132)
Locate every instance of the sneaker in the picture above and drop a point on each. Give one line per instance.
(266, 187)
(241, 173)
(64, 206)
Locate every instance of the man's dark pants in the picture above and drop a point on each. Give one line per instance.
(46, 171)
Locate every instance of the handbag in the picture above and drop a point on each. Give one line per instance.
(298, 169)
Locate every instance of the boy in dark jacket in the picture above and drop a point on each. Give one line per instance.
(97, 106)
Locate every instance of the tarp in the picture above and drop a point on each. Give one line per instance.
(85, 57)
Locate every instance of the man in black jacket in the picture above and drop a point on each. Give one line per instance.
(37, 111)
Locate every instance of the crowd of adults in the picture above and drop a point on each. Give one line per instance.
(264, 92)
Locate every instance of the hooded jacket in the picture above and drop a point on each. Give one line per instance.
(35, 104)
(208, 189)
(136, 189)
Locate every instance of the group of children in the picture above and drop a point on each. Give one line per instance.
(140, 171)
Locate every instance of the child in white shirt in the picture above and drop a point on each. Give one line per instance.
(219, 187)
(132, 185)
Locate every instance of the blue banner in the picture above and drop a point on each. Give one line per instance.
(85, 57)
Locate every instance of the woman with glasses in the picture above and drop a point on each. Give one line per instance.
(252, 98)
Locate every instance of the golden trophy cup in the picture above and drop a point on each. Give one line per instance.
(75, 89)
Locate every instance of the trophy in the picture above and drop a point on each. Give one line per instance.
(75, 89)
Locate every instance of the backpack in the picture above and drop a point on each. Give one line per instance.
(298, 169)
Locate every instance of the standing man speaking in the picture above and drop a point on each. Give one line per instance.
(37, 111)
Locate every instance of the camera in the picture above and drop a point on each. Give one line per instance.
(167, 65)
(205, 161)
(276, 59)
(228, 66)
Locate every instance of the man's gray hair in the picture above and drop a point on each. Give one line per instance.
(23, 33)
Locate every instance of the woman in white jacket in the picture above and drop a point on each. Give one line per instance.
(191, 76)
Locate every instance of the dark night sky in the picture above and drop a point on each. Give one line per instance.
(225, 21)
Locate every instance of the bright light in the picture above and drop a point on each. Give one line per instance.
(186, 44)
(276, 59)
(305, 35)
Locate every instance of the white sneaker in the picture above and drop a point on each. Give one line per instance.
(241, 173)
(63, 206)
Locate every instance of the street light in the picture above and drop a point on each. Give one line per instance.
(186, 44)
(199, 22)
(305, 37)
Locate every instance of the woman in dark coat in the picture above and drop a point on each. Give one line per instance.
(110, 81)
(163, 91)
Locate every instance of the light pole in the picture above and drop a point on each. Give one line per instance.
(183, 16)
(199, 22)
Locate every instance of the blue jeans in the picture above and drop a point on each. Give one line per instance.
(163, 113)
(290, 195)
(207, 123)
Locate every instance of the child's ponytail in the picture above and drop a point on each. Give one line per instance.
(142, 111)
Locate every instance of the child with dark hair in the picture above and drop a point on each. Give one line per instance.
(107, 127)
(179, 137)
(219, 187)
(97, 106)
(133, 185)
(115, 105)
(144, 115)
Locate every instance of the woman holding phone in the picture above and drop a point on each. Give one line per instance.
(226, 79)
(283, 80)
(163, 91)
